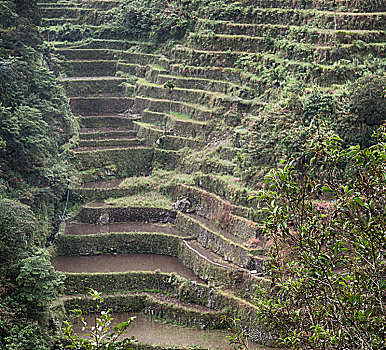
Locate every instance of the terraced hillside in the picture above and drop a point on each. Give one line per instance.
(160, 132)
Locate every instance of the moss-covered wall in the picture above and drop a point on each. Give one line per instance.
(228, 216)
(111, 142)
(147, 303)
(239, 196)
(134, 161)
(106, 134)
(164, 139)
(86, 195)
(98, 105)
(109, 121)
(166, 159)
(90, 68)
(195, 111)
(182, 127)
(118, 243)
(120, 214)
(231, 251)
(300, 17)
(96, 87)
(344, 5)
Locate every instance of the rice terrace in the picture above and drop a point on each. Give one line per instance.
(192, 174)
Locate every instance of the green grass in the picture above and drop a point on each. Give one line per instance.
(157, 67)
(147, 83)
(158, 179)
(180, 116)
(151, 199)
(177, 77)
(234, 185)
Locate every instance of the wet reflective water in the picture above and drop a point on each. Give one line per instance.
(155, 332)
(123, 263)
(76, 228)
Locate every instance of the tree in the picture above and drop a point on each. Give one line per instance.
(367, 101)
(19, 231)
(26, 134)
(327, 228)
(367, 111)
(28, 9)
(35, 126)
(38, 282)
(318, 104)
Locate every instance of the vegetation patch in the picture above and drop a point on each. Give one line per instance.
(150, 200)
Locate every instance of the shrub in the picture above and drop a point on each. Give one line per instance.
(328, 243)
(158, 20)
(365, 111)
(38, 281)
(26, 337)
(368, 102)
(103, 334)
(318, 105)
(19, 231)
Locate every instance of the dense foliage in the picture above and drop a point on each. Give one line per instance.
(28, 281)
(17, 33)
(162, 21)
(157, 20)
(35, 122)
(19, 231)
(288, 126)
(153, 21)
(34, 117)
(35, 126)
(328, 244)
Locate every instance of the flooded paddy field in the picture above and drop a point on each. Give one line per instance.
(123, 263)
(155, 332)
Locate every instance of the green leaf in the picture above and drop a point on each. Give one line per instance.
(358, 201)
(327, 189)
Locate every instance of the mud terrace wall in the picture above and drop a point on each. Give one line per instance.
(119, 214)
(139, 159)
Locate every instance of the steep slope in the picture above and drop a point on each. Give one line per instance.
(100, 95)
(178, 122)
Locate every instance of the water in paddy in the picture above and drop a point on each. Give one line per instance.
(155, 332)
(123, 263)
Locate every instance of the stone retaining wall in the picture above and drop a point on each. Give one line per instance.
(139, 158)
(231, 251)
(97, 215)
